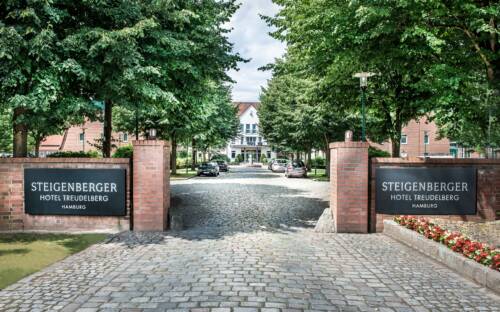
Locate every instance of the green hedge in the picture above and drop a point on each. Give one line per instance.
(375, 152)
(318, 162)
(90, 154)
(124, 152)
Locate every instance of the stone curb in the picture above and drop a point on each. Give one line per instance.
(468, 268)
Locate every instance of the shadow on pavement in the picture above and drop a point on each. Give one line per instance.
(222, 210)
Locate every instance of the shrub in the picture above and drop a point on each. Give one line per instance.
(263, 159)
(318, 162)
(80, 154)
(124, 152)
(181, 162)
(220, 157)
(375, 152)
(239, 158)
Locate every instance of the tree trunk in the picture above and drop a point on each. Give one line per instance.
(327, 156)
(396, 137)
(38, 141)
(193, 154)
(20, 144)
(173, 158)
(136, 123)
(395, 147)
(308, 163)
(106, 144)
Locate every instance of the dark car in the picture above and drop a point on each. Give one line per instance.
(296, 169)
(208, 168)
(222, 166)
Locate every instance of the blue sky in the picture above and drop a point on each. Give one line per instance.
(251, 40)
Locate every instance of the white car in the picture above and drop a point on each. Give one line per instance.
(279, 165)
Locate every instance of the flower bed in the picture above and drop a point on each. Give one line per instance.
(479, 252)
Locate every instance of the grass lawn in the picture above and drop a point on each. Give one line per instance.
(319, 176)
(182, 174)
(22, 254)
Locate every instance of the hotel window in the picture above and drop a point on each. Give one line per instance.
(247, 128)
(404, 139)
(82, 137)
(426, 139)
(254, 128)
(241, 128)
(233, 141)
(260, 139)
(233, 154)
(251, 140)
(268, 154)
(125, 137)
(241, 140)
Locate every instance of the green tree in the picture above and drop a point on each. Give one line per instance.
(33, 77)
(465, 80)
(428, 63)
(6, 128)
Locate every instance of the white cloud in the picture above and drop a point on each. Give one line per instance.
(251, 39)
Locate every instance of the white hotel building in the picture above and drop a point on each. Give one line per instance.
(248, 143)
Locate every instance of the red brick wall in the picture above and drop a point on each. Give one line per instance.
(13, 217)
(349, 186)
(488, 186)
(415, 131)
(151, 180)
(70, 141)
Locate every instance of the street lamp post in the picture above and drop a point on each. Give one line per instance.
(363, 83)
(83, 141)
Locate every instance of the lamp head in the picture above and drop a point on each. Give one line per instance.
(363, 78)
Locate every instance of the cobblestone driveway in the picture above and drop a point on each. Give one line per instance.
(228, 264)
(249, 198)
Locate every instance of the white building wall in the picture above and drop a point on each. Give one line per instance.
(247, 141)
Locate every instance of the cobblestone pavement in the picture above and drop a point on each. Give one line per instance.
(213, 266)
(249, 198)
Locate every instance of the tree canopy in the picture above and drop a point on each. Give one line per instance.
(157, 58)
(435, 58)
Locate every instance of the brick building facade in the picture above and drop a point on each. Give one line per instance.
(420, 138)
(84, 137)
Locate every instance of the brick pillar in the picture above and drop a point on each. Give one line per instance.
(151, 185)
(349, 186)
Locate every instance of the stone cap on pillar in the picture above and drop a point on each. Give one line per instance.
(348, 136)
(150, 143)
(349, 145)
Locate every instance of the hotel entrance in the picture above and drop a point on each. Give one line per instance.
(251, 155)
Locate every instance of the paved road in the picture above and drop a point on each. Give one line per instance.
(249, 198)
(255, 255)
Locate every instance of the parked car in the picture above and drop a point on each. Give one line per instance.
(208, 168)
(279, 165)
(222, 166)
(296, 169)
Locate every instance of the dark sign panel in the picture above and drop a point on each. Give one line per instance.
(82, 192)
(426, 191)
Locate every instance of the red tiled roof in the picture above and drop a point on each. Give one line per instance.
(243, 106)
